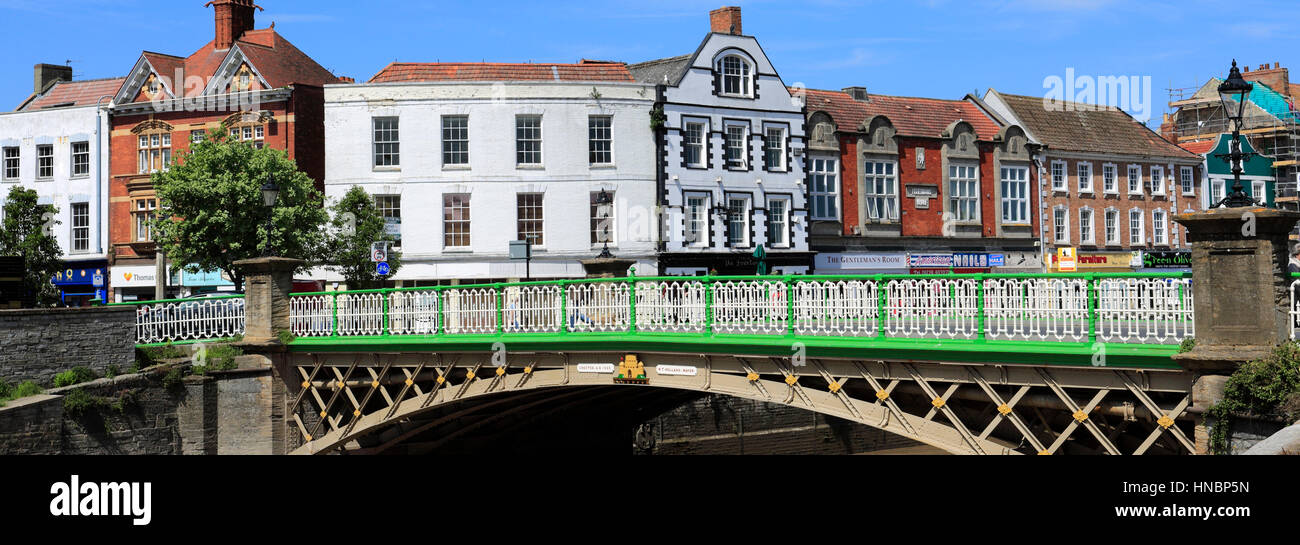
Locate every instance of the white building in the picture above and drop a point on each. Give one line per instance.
(465, 158)
(732, 165)
(56, 142)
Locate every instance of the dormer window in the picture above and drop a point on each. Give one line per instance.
(243, 79)
(736, 74)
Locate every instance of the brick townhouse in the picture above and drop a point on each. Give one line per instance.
(1111, 186)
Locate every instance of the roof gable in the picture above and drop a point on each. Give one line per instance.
(910, 116)
(1071, 126)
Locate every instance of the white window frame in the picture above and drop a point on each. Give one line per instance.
(1158, 180)
(466, 221)
(727, 146)
(783, 219)
(1137, 236)
(392, 153)
(830, 194)
(1135, 185)
(1090, 235)
(1063, 182)
(1021, 202)
(1187, 179)
(593, 142)
(1160, 227)
(458, 135)
(381, 210)
(702, 155)
(782, 164)
(748, 216)
(1259, 190)
(1060, 224)
(12, 168)
(957, 198)
(594, 211)
(743, 75)
(1218, 190)
(540, 219)
(703, 220)
(1110, 186)
(888, 199)
(1085, 182)
(1112, 218)
(44, 162)
(520, 153)
(74, 155)
(79, 233)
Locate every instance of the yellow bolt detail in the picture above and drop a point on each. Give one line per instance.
(323, 414)
(409, 382)
(528, 370)
(882, 395)
(374, 384)
(356, 413)
(469, 374)
(1004, 410)
(938, 402)
(501, 371)
(1081, 417)
(1045, 453)
(791, 380)
(441, 379)
(309, 438)
(753, 377)
(306, 384)
(835, 387)
(1165, 422)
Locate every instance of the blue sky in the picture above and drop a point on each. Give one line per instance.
(932, 48)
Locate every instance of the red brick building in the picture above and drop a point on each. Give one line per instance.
(262, 88)
(1111, 186)
(903, 184)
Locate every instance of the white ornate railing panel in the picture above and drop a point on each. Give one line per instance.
(750, 308)
(600, 307)
(945, 308)
(360, 314)
(1036, 309)
(1145, 310)
(673, 307)
(841, 308)
(174, 321)
(312, 315)
(470, 311)
(413, 312)
(532, 309)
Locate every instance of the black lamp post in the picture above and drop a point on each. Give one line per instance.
(270, 194)
(604, 201)
(1234, 90)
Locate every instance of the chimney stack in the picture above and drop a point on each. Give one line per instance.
(233, 18)
(726, 20)
(48, 74)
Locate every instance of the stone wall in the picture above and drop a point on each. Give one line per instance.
(223, 413)
(725, 425)
(38, 344)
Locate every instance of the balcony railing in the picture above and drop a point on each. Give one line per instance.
(186, 320)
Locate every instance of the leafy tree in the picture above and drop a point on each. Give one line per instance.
(210, 211)
(356, 224)
(27, 232)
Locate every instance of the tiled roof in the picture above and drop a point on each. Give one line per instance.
(1086, 128)
(911, 116)
(277, 60)
(1200, 148)
(662, 71)
(75, 93)
(425, 72)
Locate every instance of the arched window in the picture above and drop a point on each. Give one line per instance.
(736, 76)
(249, 127)
(155, 146)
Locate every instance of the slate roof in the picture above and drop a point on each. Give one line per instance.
(911, 116)
(429, 72)
(74, 93)
(1086, 128)
(667, 71)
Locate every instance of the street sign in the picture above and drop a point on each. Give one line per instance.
(379, 252)
(520, 249)
(1067, 260)
(382, 269)
(98, 280)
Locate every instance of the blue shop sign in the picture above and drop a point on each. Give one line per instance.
(204, 279)
(970, 261)
(78, 277)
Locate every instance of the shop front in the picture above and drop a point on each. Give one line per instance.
(135, 283)
(205, 282)
(77, 283)
(734, 264)
(1166, 262)
(1101, 262)
(959, 263)
(861, 263)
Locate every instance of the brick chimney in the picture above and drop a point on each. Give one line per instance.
(726, 20)
(234, 18)
(47, 74)
(1277, 78)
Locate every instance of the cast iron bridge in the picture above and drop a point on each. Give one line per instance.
(972, 364)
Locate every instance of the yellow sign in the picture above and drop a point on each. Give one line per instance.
(1107, 261)
(1066, 260)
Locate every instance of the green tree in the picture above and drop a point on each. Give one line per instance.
(210, 210)
(355, 225)
(27, 232)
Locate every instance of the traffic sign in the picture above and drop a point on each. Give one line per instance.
(382, 269)
(379, 252)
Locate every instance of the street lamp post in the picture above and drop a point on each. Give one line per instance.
(270, 194)
(1234, 90)
(604, 202)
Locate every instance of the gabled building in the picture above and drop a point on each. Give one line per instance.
(465, 158)
(1110, 186)
(253, 82)
(905, 184)
(731, 164)
(56, 142)
(1257, 177)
